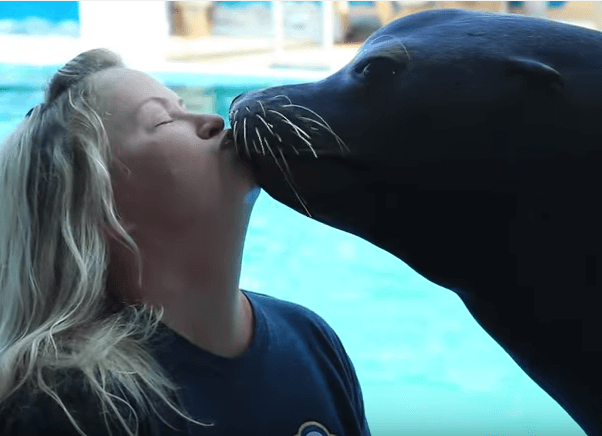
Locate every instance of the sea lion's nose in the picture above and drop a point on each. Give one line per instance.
(236, 98)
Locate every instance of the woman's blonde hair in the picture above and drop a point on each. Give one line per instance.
(57, 208)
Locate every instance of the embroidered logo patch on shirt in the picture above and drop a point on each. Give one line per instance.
(313, 428)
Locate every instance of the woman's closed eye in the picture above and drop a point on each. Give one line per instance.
(163, 122)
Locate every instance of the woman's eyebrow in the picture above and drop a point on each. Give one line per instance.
(163, 100)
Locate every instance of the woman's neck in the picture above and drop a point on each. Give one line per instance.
(194, 276)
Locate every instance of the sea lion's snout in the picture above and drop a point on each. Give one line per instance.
(270, 123)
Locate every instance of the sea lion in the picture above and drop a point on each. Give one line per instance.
(469, 145)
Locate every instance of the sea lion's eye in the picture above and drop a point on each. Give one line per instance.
(377, 69)
(366, 71)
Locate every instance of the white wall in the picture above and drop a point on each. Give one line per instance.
(136, 30)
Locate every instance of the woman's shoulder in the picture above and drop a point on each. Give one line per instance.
(286, 315)
(298, 324)
(288, 310)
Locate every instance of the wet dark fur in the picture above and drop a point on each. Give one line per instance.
(471, 148)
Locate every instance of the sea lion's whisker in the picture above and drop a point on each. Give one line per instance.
(244, 131)
(260, 141)
(396, 39)
(280, 140)
(312, 150)
(284, 96)
(328, 129)
(278, 163)
(404, 49)
(306, 142)
(266, 124)
(262, 108)
(375, 39)
(235, 135)
(299, 198)
(321, 119)
(295, 132)
(286, 173)
(283, 159)
(291, 186)
(297, 128)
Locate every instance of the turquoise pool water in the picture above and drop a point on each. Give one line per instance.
(425, 366)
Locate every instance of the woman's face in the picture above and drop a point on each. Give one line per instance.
(174, 167)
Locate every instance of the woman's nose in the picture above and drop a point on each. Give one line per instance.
(209, 126)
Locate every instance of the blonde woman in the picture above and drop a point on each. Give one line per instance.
(122, 222)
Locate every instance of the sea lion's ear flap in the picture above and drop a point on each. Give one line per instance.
(537, 74)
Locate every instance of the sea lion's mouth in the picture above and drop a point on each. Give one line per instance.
(227, 140)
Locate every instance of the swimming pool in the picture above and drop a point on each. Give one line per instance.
(426, 367)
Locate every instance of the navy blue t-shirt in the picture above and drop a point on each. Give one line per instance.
(294, 379)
